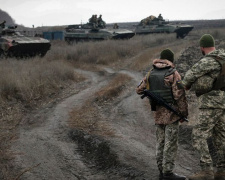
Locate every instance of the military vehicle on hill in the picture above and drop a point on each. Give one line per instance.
(95, 29)
(154, 24)
(13, 44)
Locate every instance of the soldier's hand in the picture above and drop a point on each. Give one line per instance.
(180, 85)
(141, 87)
(139, 91)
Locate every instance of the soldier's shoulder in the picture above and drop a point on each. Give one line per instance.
(208, 60)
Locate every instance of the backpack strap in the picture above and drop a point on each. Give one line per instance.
(219, 83)
(147, 77)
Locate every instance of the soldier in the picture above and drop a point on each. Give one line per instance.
(147, 20)
(101, 23)
(162, 79)
(211, 118)
(91, 20)
(115, 26)
(2, 26)
(95, 19)
(100, 19)
(160, 17)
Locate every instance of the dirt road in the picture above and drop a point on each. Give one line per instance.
(47, 149)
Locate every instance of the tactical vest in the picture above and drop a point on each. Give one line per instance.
(219, 83)
(155, 83)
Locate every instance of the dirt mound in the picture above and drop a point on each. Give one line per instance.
(187, 59)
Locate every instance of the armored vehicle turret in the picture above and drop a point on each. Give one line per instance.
(154, 24)
(14, 44)
(95, 29)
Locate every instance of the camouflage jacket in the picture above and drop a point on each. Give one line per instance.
(162, 115)
(210, 67)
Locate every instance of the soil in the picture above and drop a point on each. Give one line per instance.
(48, 149)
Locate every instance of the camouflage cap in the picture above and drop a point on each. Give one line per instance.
(207, 41)
(167, 54)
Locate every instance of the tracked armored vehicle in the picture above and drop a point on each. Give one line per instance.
(152, 24)
(95, 29)
(13, 44)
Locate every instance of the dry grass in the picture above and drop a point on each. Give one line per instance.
(108, 52)
(217, 33)
(89, 117)
(29, 81)
(144, 60)
(113, 89)
(9, 118)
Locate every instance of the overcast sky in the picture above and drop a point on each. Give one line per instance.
(64, 12)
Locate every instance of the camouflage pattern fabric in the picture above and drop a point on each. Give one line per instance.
(211, 122)
(147, 20)
(202, 85)
(166, 146)
(207, 66)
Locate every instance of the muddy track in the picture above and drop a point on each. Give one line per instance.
(48, 150)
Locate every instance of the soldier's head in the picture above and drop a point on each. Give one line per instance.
(167, 54)
(207, 44)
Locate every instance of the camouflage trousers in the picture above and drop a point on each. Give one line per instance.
(166, 146)
(211, 122)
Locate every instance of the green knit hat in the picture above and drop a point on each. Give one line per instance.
(207, 41)
(167, 54)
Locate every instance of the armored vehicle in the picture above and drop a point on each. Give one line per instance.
(14, 44)
(152, 24)
(95, 29)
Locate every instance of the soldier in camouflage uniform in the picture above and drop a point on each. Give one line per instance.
(94, 20)
(160, 17)
(211, 119)
(2, 26)
(167, 124)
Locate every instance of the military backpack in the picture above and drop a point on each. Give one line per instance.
(219, 83)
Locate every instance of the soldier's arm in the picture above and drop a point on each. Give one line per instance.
(179, 95)
(142, 86)
(201, 68)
